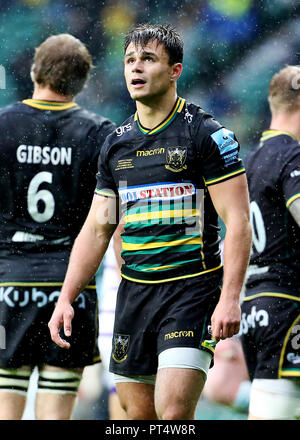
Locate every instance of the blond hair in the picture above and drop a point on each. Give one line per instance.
(62, 62)
(284, 90)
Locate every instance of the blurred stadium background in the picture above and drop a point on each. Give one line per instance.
(232, 48)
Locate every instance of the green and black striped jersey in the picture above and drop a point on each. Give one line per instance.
(160, 177)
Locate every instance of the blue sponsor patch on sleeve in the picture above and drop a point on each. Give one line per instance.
(227, 145)
(225, 140)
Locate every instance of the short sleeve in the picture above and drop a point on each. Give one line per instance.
(105, 182)
(290, 177)
(219, 151)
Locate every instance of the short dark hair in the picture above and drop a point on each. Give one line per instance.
(163, 33)
(62, 62)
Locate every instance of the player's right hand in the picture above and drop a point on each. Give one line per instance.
(62, 316)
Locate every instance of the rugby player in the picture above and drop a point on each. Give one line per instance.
(161, 166)
(271, 307)
(48, 154)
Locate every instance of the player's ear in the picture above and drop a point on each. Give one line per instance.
(176, 71)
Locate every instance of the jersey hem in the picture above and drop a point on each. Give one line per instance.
(170, 279)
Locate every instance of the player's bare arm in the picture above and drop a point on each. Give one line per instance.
(231, 202)
(294, 209)
(87, 253)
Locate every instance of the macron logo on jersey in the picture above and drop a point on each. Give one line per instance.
(228, 146)
(160, 191)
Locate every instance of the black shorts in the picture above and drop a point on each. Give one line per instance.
(270, 334)
(152, 318)
(24, 315)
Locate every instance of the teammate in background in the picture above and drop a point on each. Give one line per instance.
(48, 159)
(271, 307)
(228, 381)
(158, 164)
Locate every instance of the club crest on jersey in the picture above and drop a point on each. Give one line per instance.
(120, 347)
(176, 157)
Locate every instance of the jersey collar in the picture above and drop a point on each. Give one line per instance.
(167, 121)
(268, 134)
(49, 105)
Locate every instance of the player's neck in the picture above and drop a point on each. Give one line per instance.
(290, 123)
(46, 94)
(154, 112)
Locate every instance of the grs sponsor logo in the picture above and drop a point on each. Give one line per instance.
(254, 318)
(123, 129)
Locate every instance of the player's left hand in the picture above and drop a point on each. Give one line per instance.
(225, 321)
(62, 316)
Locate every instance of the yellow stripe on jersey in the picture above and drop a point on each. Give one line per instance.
(37, 284)
(219, 179)
(154, 245)
(169, 266)
(268, 134)
(290, 201)
(280, 372)
(156, 215)
(272, 294)
(178, 108)
(103, 193)
(49, 105)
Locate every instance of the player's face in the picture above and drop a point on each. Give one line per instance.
(147, 71)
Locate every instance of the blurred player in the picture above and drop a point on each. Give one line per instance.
(159, 164)
(228, 381)
(48, 159)
(271, 307)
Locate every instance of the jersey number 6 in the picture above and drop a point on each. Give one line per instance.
(36, 196)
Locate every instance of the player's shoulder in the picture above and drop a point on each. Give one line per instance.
(202, 121)
(11, 109)
(123, 132)
(209, 131)
(279, 146)
(91, 118)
